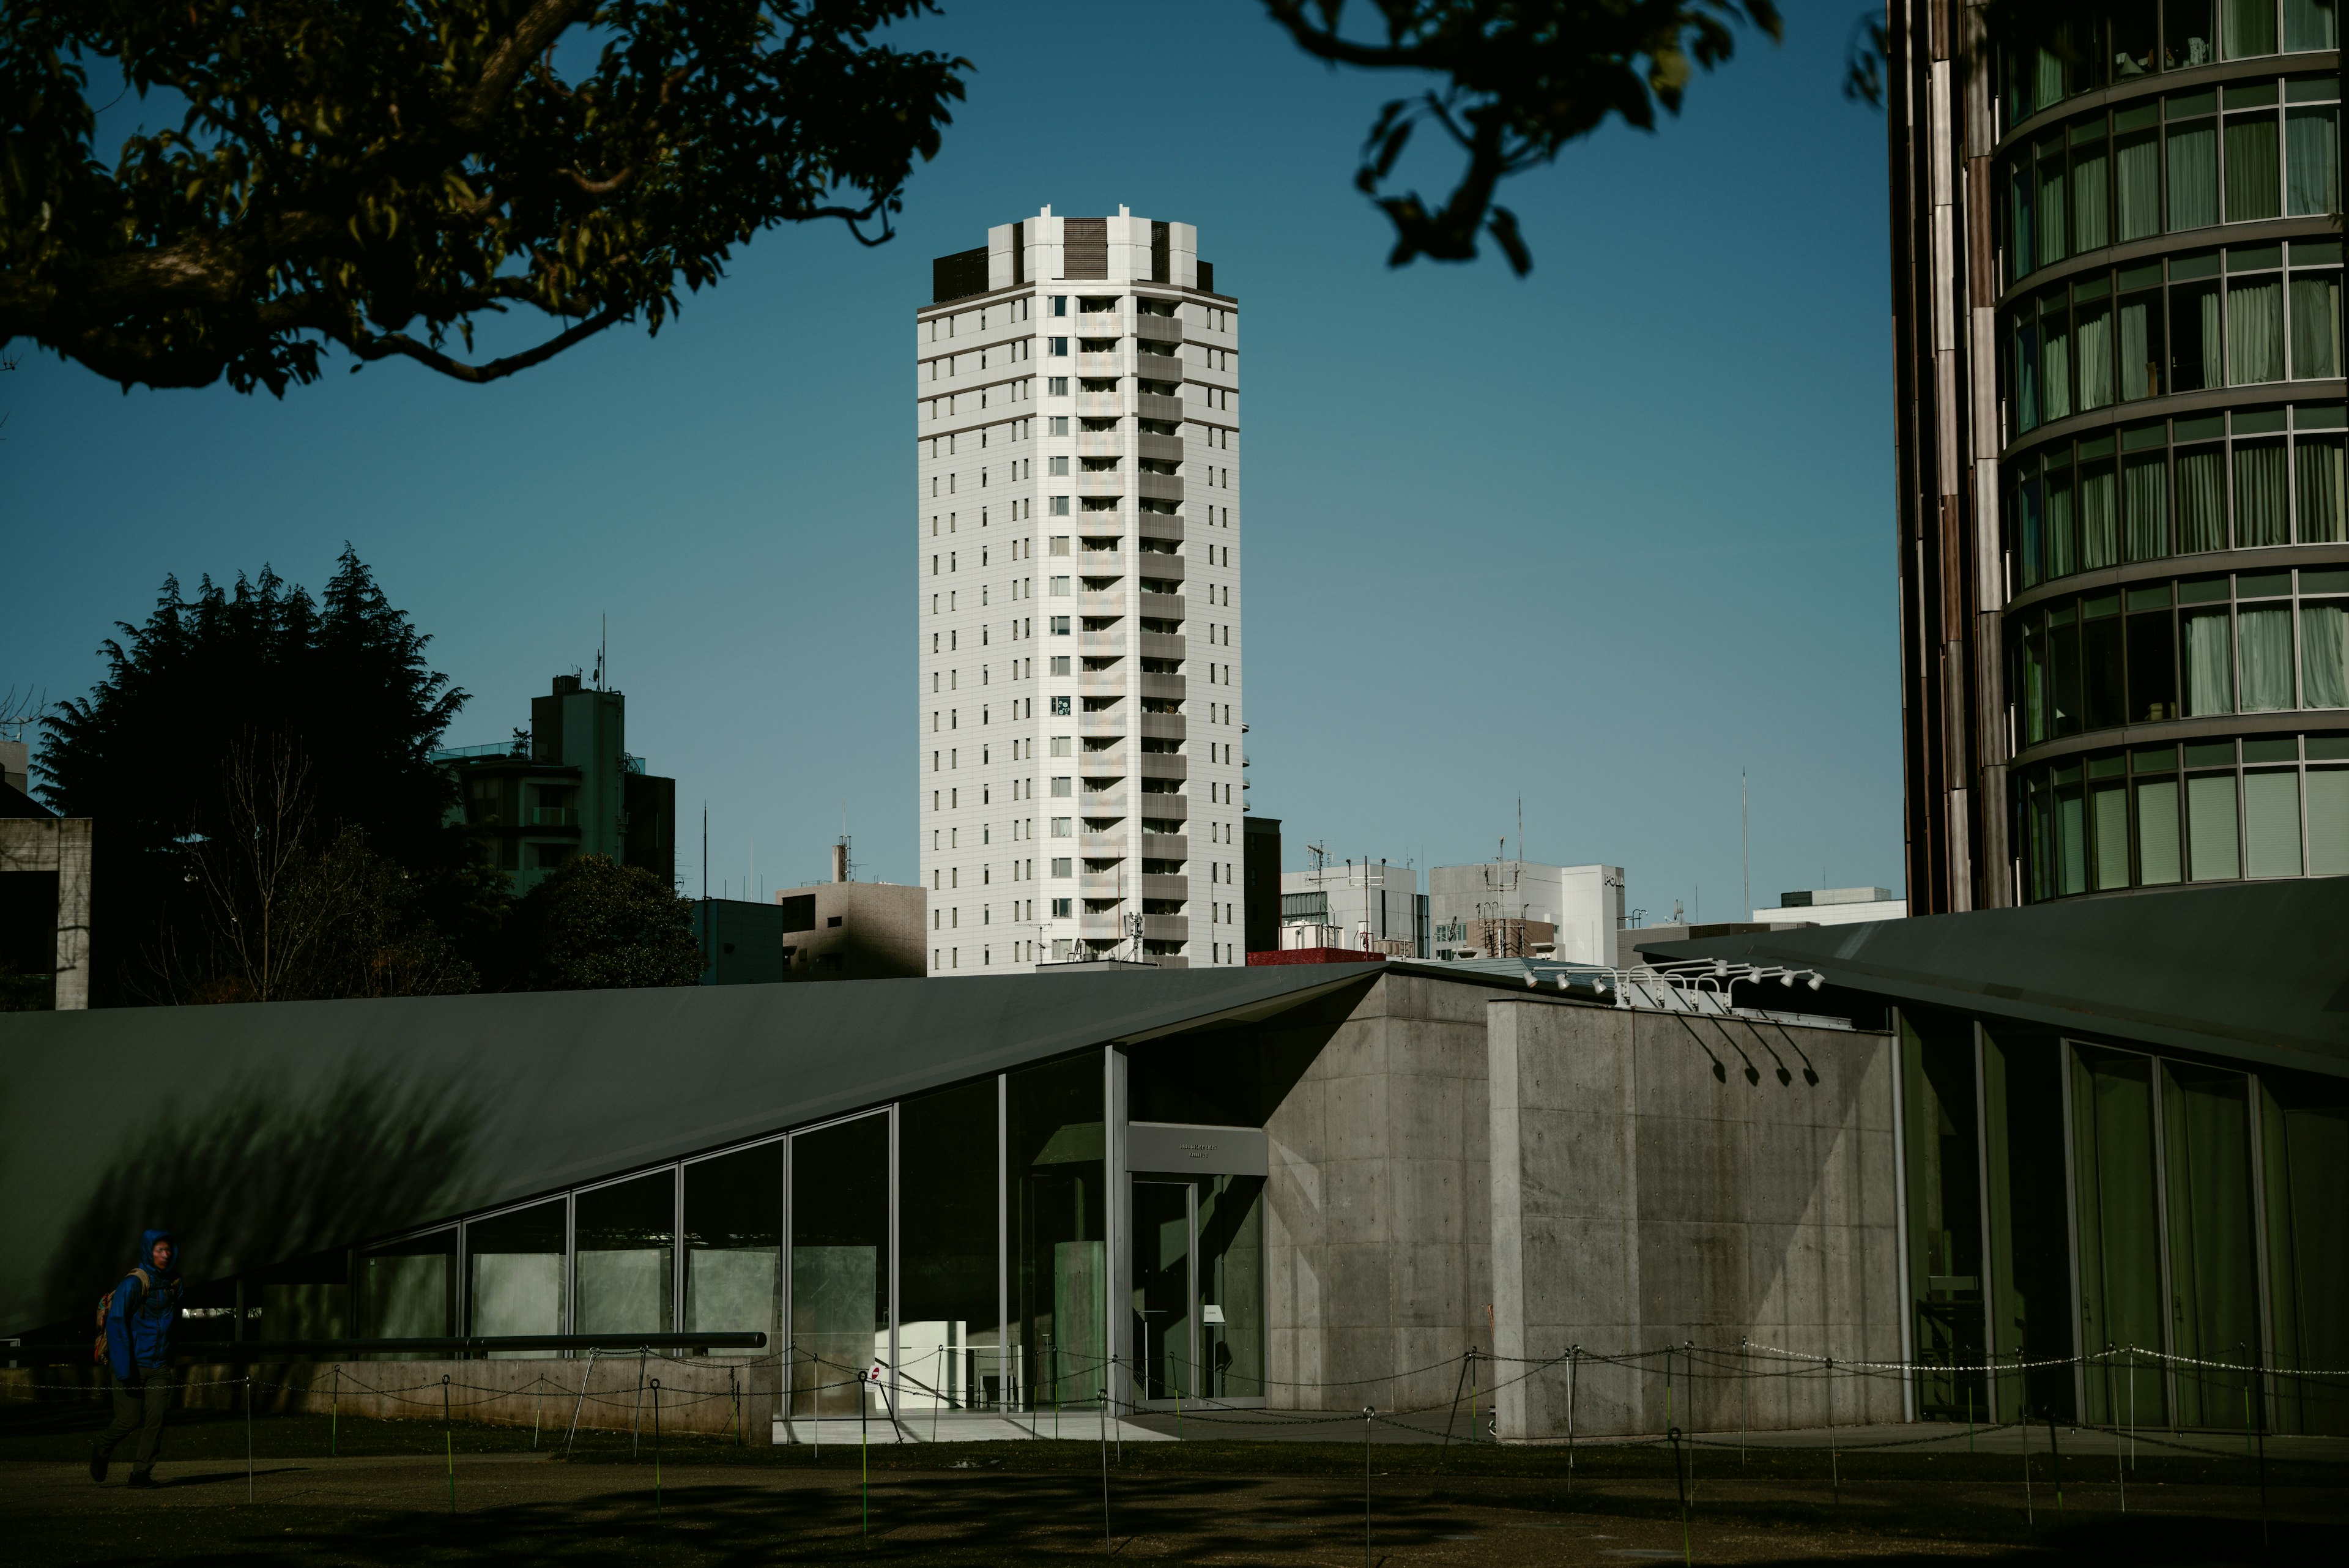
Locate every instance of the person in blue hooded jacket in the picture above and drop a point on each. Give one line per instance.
(140, 1322)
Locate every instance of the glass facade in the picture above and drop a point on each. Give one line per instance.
(948, 1252)
(2177, 1223)
(2169, 365)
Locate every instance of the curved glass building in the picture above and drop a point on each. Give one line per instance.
(2124, 561)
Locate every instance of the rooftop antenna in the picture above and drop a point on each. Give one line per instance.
(1744, 850)
(602, 651)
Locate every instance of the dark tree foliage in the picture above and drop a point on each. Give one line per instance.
(380, 175)
(340, 683)
(1519, 79)
(596, 925)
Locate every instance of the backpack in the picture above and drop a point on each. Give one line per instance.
(105, 1305)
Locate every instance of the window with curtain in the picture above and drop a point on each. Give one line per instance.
(2325, 653)
(2108, 830)
(2254, 188)
(2034, 684)
(2021, 237)
(2193, 174)
(2144, 485)
(2316, 466)
(2328, 822)
(2188, 38)
(2140, 346)
(2071, 839)
(2091, 196)
(2194, 338)
(2309, 24)
(2316, 325)
(2213, 844)
(2249, 27)
(2054, 202)
(2136, 185)
(2201, 500)
(2063, 553)
(2156, 832)
(2026, 370)
(2271, 824)
(2210, 665)
(2312, 161)
(2047, 88)
(2054, 362)
(2263, 641)
(2099, 518)
(2259, 496)
(2255, 330)
(2094, 331)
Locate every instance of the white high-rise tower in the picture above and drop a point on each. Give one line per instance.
(1077, 418)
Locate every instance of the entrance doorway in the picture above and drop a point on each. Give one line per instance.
(1197, 1273)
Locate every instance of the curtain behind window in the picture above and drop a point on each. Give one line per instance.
(2027, 373)
(2091, 199)
(2137, 184)
(2055, 365)
(2063, 555)
(2324, 654)
(2054, 228)
(2137, 346)
(2316, 325)
(2263, 638)
(2194, 175)
(2095, 335)
(2210, 666)
(2145, 482)
(2030, 542)
(2156, 832)
(2099, 518)
(2309, 24)
(2050, 85)
(2255, 331)
(2211, 337)
(2317, 466)
(2249, 27)
(2021, 241)
(2108, 822)
(2201, 500)
(2312, 161)
(2253, 185)
(2328, 821)
(2213, 848)
(2035, 686)
(2259, 498)
(2271, 824)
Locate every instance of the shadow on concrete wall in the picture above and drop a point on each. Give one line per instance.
(261, 1173)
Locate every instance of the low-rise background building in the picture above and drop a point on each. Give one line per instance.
(842, 929)
(1517, 908)
(1833, 906)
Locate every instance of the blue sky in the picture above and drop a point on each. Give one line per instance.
(1600, 537)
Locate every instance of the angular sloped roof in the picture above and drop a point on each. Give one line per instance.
(2253, 971)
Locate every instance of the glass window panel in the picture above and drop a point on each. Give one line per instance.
(2054, 363)
(2035, 828)
(2210, 665)
(2048, 87)
(840, 1267)
(2312, 161)
(2095, 351)
(2099, 517)
(2328, 822)
(2260, 500)
(2263, 638)
(2119, 1238)
(2156, 832)
(2306, 1156)
(2140, 346)
(2136, 185)
(514, 1272)
(2317, 468)
(2063, 678)
(2194, 338)
(2254, 188)
(2063, 531)
(2255, 331)
(2053, 204)
(2145, 480)
(2188, 38)
(2070, 841)
(734, 1244)
(2027, 371)
(2031, 543)
(2201, 500)
(2325, 653)
(2108, 825)
(2091, 198)
(2103, 666)
(2152, 668)
(2311, 24)
(1231, 1281)
(2213, 850)
(2271, 824)
(2249, 27)
(626, 1263)
(2022, 231)
(2213, 1273)
(407, 1289)
(2034, 684)
(2193, 174)
(1059, 1264)
(2316, 325)
(949, 1342)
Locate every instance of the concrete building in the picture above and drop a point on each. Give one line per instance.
(1362, 906)
(1078, 557)
(742, 941)
(569, 787)
(1515, 908)
(45, 871)
(1260, 882)
(1833, 906)
(842, 929)
(2124, 544)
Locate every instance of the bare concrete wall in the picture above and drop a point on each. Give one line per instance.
(1377, 1222)
(1658, 1180)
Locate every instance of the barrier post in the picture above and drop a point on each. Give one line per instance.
(448, 1440)
(248, 1435)
(2264, 1451)
(1680, 1477)
(1834, 1459)
(1365, 1486)
(2113, 1419)
(1104, 1468)
(657, 1450)
(2028, 1516)
(1459, 1389)
(335, 1416)
(2056, 1454)
(1573, 1367)
(1744, 1391)
(863, 1459)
